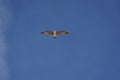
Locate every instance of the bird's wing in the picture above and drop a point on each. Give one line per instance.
(62, 32)
(47, 32)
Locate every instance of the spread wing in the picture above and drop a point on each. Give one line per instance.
(47, 32)
(62, 32)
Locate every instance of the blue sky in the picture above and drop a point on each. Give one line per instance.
(89, 52)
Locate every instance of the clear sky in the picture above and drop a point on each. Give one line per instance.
(90, 52)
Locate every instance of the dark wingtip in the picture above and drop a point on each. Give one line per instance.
(41, 32)
(67, 32)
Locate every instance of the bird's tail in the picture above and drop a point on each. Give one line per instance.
(54, 37)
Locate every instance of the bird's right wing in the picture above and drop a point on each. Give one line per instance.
(47, 32)
(62, 32)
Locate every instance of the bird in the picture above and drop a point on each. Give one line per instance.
(54, 33)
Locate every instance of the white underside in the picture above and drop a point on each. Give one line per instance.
(54, 34)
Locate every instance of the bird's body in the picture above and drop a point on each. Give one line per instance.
(54, 33)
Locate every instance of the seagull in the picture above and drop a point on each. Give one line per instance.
(54, 33)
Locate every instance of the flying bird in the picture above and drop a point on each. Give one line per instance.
(54, 33)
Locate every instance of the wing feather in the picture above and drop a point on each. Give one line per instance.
(47, 32)
(62, 32)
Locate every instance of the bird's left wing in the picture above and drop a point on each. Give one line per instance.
(62, 32)
(47, 32)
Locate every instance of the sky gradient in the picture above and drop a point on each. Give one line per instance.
(89, 52)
